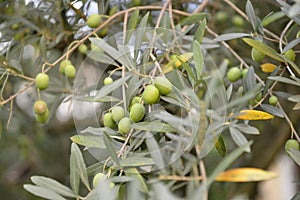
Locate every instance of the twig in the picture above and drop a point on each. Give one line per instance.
(203, 173)
(10, 113)
(286, 28)
(201, 6)
(16, 94)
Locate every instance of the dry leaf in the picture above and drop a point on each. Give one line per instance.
(253, 115)
(268, 67)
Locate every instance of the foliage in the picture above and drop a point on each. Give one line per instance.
(198, 116)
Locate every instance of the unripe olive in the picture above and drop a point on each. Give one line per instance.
(234, 74)
(124, 125)
(237, 21)
(290, 54)
(298, 34)
(291, 144)
(221, 17)
(150, 94)
(40, 107)
(137, 112)
(108, 80)
(118, 113)
(273, 100)
(163, 85)
(82, 48)
(70, 71)
(113, 10)
(97, 178)
(94, 20)
(41, 81)
(244, 73)
(257, 55)
(108, 121)
(44, 117)
(63, 64)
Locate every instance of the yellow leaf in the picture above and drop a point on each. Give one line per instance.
(268, 67)
(245, 175)
(176, 62)
(253, 115)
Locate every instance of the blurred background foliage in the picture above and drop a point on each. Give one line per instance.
(34, 32)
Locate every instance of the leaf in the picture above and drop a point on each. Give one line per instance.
(272, 110)
(272, 18)
(136, 161)
(177, 62)
(284, 80)
(291, 44)
(140, 34)
(251, 15)
(268, 67)
(238, 138)
(74, 176)
(102, 58)
(139, 181)
(294, 10)
(106, 89)
(42, 192)
(264, 48)
(155, 152)
(295, 154)
(246, 128)
(89, 140)
(80, 167)
(53, 185)
(230, 36)
(297, 106)
(131, 25)
(296, 196)
(220, 146)
(246, 175)
(295, 98)
(253, 115)
(250, 79)
(195, 18)
(43, 47)
(154, 126)
(198, 58)
(200, 31)
(162, 192)
(109, 146)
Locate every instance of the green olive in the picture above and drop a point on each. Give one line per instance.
(40, 107)
(82, 48)
(94, 20)
(63, 64)
(108, 80)
(290, 54)
(257, 55)
(237, 21)
(221, 17)
(137, 112)
(273, 100)
(44, 117)
(244, 73)
(124, 125)
(234, 74)
(70, 71)
(163, 85)
(41, 81)
(291, 144)
(150, 94)
(118, 113)
(108, 121)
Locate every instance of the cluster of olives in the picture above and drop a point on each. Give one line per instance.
(66, 68)
(235, 73)
(117, 118)
(40, 107)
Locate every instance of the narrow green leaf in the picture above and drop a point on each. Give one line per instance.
(89, 140)
(198, 58)
(109, 145)
(250, 80)
(296, 196)
(295, 155)
(162, 192)
(200, 31)
(294, 98)
(272, 18)
(195, 18)
(291, 44)
(42, 192)
(230, 36)
(251, 15)
(80, 165)
(238, 138)
(102, 58)
(220, 146)
(136, 161)
(132, 25)
(246, 128)
(74, 175)
(272, 110)
(155, 151)
(120, 179)
(264, 48)
(155, 126)
(284, 80)
(139, 180)
(43, 47)
(52, 185)
(140, 34)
